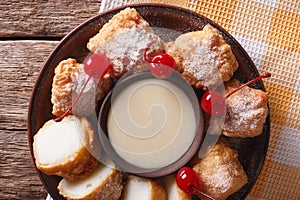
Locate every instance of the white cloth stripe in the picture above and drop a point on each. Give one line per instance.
(109, 4)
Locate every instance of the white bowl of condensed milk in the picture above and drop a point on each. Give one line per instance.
(150, 126)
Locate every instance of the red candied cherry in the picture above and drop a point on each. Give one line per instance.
(161, 65)
(189, 181)
(213, 102)
(95, 66)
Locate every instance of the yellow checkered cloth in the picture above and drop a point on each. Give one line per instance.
(269, 31)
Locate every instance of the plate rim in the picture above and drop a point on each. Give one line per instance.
(113, 11)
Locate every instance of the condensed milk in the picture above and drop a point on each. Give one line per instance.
(151, 123)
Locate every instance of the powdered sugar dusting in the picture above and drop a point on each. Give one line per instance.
(80, 79)
(246, 111)
(204, 57)
(126, 48)
(200, 64)
(199, 60)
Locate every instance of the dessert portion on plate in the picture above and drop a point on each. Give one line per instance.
(173, 191)
(103, 183)
(203, 58)
(246, 111)
(67, 83)
(139, 188)
(61, 148)
(221, 172)
(124, 40)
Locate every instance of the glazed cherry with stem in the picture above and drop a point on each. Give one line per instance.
(189, 181)
(95, 66)
(161, 64)
(214, 99)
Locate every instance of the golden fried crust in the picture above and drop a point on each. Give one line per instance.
(62, 85)
(183, 195)
(127, 18)
(172, 189)
(124, 39)
(157, 191)
(246, 111)
(111, 188)
(203, 57)
(82, 165)
(221, 172)
(67, 83)
(83, 162)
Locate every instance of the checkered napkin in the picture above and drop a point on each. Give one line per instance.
(269, 31)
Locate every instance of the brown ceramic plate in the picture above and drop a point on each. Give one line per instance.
(252, 151)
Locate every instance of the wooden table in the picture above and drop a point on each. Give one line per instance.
(29, 31)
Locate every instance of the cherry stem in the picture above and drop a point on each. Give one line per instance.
(58, 119)
(146, 50)
(198, 192)
(265, 75)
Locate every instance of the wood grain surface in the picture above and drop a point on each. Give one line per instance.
(29, 31)
(43, 18)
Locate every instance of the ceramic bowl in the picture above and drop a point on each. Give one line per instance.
(123, 165)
